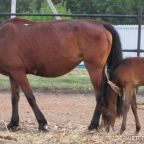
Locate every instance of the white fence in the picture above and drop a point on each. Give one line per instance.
(129, 38)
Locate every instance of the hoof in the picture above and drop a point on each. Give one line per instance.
(137, 132)
(138, 128)
(109, 129)
(13, 127)
(93, 127)
(89, 132)
(43, 128)
(120, 132)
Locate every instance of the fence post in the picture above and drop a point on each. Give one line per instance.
(13, 7)
(140, 17)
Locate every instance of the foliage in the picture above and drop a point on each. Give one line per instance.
(36, 6)
(118, 7)
(4, 7)
(32, 6)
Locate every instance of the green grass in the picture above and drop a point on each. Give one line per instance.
(76, 80)
(4, 82)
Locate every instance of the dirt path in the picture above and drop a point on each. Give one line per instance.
(62, 109)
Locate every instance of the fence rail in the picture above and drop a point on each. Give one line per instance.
(70, 15)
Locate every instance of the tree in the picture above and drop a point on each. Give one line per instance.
(31, 6)
(124, 7)
(118, 7)
(5, 6)
(45, 9)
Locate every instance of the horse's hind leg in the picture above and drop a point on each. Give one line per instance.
(95, 73)
(134, 110)
(14, 123)
(96, 117)
(21, 79)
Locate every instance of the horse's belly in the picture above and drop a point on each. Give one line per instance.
(54, 70)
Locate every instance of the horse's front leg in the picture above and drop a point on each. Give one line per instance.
(21, 79)
(14, 123)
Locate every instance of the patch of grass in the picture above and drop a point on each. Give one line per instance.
(4, 82)
(76, 80)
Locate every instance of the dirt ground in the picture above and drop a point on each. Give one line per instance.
(57, 108)
(68, 117)
(60, 109)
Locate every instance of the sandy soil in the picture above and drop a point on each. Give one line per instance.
(62, 109)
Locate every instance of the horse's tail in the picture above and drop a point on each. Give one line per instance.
(113, 61)
(115, 56)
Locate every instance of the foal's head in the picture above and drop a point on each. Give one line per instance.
(112, 109)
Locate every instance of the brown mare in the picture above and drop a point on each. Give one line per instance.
(52, 49)
(127, 76)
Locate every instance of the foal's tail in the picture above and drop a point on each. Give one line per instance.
(113, 61)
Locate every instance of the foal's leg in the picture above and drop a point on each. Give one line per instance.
(21, 79)
(134, 110)
(15, 99)
(128, 97)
